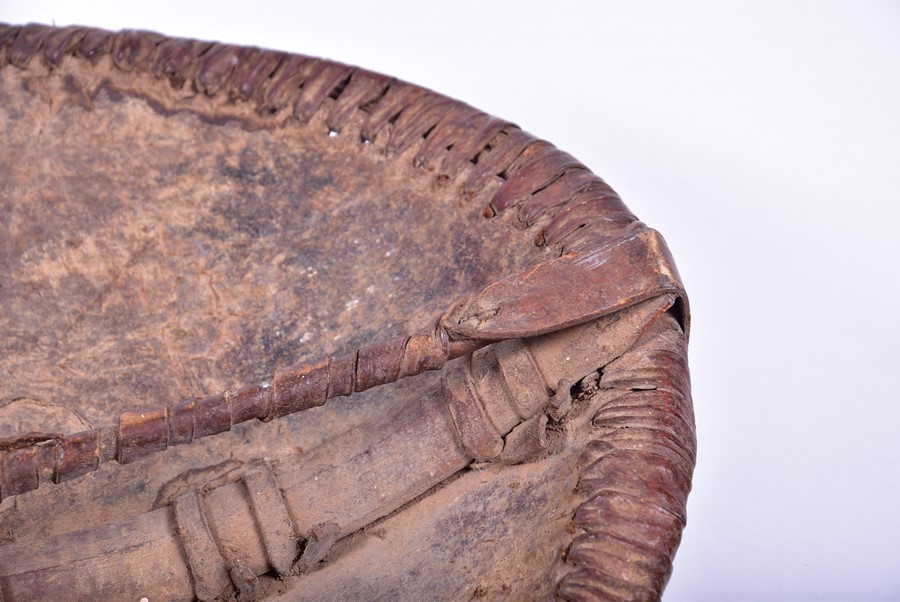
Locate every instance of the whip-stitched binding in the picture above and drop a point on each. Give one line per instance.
(218, 570)
(636, 474)
(207, 565)
(539, 180)
(629, 525)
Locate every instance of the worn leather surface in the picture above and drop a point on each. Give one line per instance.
(180, 218)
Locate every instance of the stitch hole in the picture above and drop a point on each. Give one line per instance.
(338, 89)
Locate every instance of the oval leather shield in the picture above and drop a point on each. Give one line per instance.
(275, 327)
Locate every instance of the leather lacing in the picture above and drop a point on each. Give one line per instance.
(617, 552)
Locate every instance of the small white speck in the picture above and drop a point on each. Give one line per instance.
(332, 133)
(306, 336)
(144, 600)
(351, 304)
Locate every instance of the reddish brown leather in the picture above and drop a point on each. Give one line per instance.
(179, 218)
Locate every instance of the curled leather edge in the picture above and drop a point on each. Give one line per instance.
(570, 290)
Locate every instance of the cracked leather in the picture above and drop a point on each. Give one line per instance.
(197, 237)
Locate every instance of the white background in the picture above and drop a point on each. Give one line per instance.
(763, 140)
